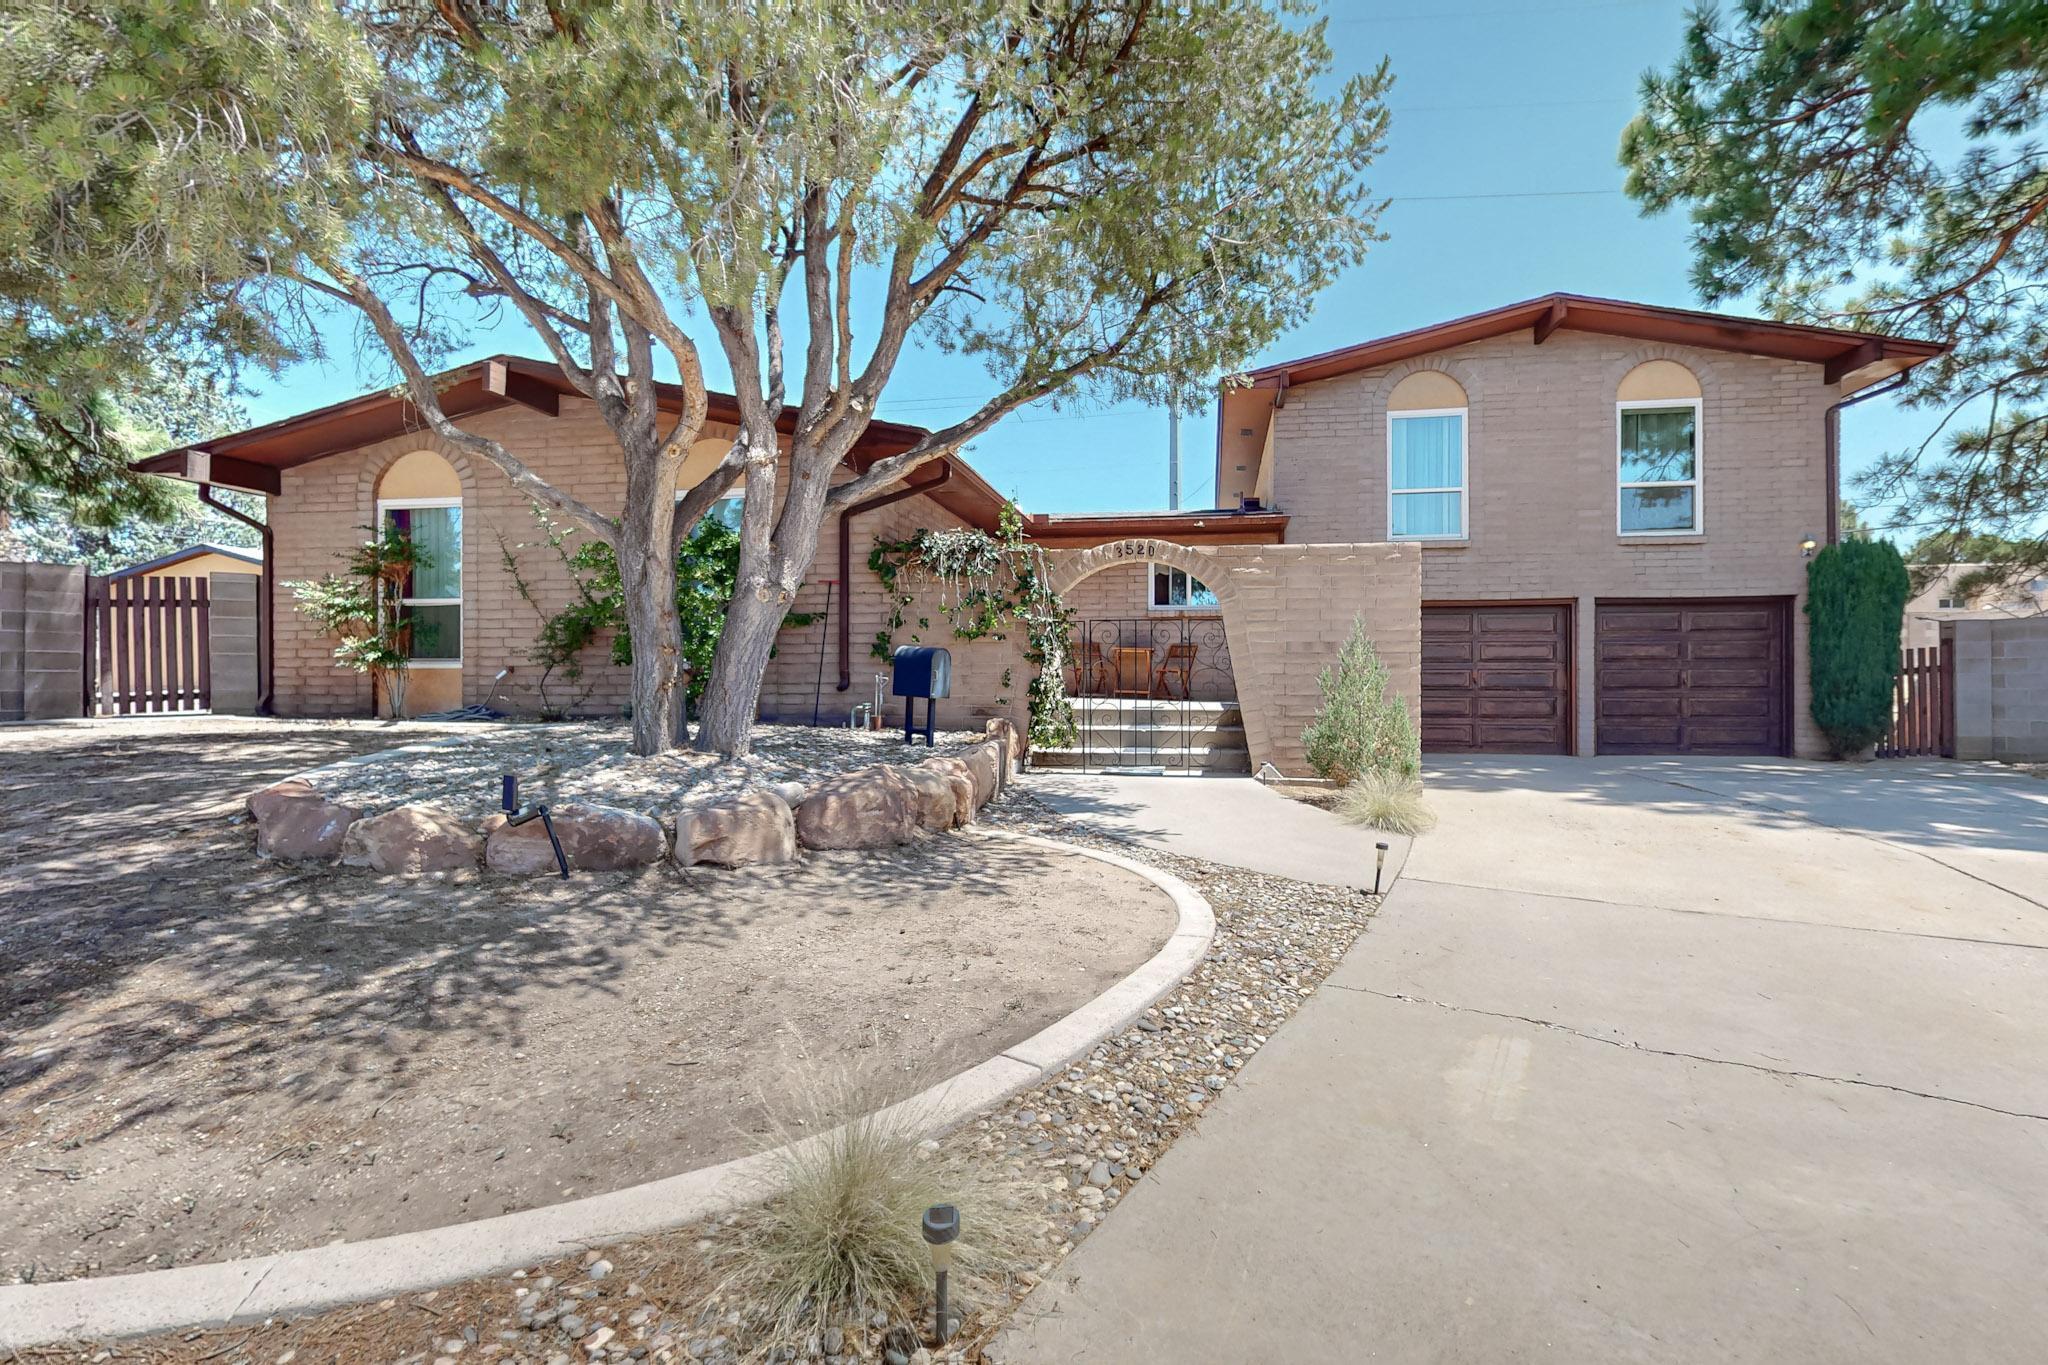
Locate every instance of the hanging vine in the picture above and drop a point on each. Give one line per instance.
(986, 584)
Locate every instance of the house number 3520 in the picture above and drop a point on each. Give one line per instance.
(1134, 549)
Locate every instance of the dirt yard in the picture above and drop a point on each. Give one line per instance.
(203, 1055)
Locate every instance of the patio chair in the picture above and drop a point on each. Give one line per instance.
(1178, 663)
(1091, 671)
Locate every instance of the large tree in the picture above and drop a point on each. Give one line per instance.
(1879, 164)
(1109, 195)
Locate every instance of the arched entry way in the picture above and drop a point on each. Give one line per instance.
(1150, 674)
(1285, 611)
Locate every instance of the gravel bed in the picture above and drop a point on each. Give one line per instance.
(592, 761)
(1083, 1138)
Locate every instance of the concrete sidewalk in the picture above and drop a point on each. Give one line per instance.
(1746, 1068)
(1233, 820)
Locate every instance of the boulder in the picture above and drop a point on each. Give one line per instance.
(295, 821)
(411, 839)
(960, 778)
(869, 808)
(753, 827)
(938, 800)
(989, 765)
(792, 793)
(1005, 732)
(594, 839)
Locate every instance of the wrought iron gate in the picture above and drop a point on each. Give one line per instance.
(1133, 679)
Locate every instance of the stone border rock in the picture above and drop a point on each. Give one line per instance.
(316, 1278)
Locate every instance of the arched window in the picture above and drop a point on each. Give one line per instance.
(421, 496)
(1658, 491)
(1426, 464)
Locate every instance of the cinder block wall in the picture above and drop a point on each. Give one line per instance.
(1541, 483)
(2001, 681)
(42, 641)
(232, 640)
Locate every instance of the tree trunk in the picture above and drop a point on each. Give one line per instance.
(726, 722)
(647, 573)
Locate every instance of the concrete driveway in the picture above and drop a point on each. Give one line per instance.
(1643, 1061)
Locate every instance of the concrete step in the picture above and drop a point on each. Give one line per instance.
(1194, 759)
(1106, 733)
(1153, 711)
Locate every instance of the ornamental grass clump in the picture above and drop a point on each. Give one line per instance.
(845, 1239)
(1386, 801)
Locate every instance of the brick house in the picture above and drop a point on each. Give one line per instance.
(1571, 526)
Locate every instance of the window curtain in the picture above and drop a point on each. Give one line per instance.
(437, 534)
(1426, 452)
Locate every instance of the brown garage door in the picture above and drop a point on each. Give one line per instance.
(1692, 676)
(1496, 679)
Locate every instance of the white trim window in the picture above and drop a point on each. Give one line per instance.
(431, 597)
(1426, 466)
(1171, 589)
(1657, 464)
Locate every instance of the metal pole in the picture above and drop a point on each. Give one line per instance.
(944, 1326)
(1173, 457)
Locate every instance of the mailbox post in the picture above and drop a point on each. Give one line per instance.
(920, 671)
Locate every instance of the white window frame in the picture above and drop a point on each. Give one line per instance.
(1152, 567)
(387, 505)
(1463, 489)
(1697, 483)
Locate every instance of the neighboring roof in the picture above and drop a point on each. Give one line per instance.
(253, 459)
(1187, 528)
(192, 551)
(1854, 359)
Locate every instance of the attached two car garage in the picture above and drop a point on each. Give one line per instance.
(1670, 676)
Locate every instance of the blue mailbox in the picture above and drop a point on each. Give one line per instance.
(920, 671)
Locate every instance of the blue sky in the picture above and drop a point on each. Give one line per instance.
(1501, 167)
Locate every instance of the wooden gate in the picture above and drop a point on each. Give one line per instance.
(1923, 706)
(146, 646)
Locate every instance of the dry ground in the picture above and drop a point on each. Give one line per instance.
(204, 1055)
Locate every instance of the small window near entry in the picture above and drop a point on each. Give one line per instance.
(1659, 485)
(431, 596)
(1426, 474)
(1177, 590)
(1950, 603)
(726, 511)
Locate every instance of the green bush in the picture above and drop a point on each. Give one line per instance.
(1361, 728)
(1855, 600)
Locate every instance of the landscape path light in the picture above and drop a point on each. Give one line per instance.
(1379, 864)
(941, 1227)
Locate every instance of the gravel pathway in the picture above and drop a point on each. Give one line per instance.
(591, 761)
(1081, 1138)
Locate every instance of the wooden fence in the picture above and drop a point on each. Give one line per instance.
(1923, 707)
(147, 646)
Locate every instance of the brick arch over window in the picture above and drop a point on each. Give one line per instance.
(1287, 610)
(371, 477)
(1069, 567)
(1700, 367)
(1469, 378)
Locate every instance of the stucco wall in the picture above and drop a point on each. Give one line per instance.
(2001, 682)
(1541, 481)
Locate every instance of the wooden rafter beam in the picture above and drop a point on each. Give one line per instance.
(1552, 319)
(1847, 363)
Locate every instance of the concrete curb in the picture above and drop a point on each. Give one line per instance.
(297, 1282)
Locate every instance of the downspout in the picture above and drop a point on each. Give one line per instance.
(846, 560)
(1833, 424)
(265, 624)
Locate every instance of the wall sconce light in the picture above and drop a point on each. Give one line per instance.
(1379, 864)
(941, 1227)
(1806, 548)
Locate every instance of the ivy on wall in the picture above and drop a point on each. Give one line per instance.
(988, 583)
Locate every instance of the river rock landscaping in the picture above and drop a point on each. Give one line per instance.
(1082, 1138)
